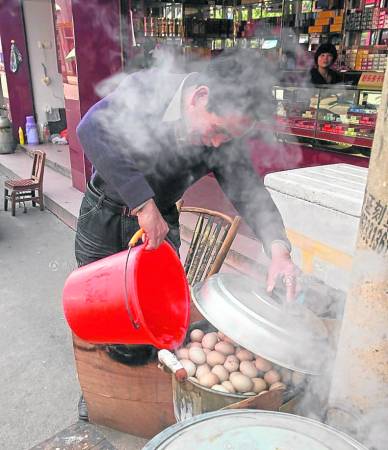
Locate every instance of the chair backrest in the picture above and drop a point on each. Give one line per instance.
(38, 166)
(213, 235)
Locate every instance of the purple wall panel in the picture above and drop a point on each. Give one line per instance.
(97, 44)
(95, 29)
(19, 83)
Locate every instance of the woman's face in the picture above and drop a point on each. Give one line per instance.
(325, 60)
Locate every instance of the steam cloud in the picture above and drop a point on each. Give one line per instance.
(122, 126)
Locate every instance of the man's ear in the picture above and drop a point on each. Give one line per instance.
(200, 96)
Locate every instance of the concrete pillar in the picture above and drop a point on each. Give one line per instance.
(358, 401)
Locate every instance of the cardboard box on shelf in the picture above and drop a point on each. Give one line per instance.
(335, 28)
(324, 21)
(315, 29)
(338, 20)
(325, 14)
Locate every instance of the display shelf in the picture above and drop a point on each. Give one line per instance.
(354, 140)
(297, 131)
(349, 124)
(336, 114)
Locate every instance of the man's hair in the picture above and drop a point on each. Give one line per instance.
(240, 82)
(326, 48)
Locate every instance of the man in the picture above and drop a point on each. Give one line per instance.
(156, 135)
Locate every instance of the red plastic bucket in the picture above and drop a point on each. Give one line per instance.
(152, 308)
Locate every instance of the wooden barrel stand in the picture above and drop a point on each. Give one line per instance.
(132, 399)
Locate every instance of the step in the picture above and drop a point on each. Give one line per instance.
(57, 156)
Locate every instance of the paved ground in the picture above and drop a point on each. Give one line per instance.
(38, 384)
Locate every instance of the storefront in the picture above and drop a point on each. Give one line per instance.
(312, 125)
(65, 58)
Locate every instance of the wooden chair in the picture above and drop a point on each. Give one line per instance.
(212, 238)
(20, 191)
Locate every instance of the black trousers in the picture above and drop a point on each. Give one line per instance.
(103, 228)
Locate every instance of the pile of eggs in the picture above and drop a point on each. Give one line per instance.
(214, 361)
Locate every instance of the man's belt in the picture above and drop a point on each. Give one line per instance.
(96, 191)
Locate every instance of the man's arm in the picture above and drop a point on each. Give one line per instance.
(110, 153)
(246, 190)
(107, 144)
(248, 194)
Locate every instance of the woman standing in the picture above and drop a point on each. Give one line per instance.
(325, 57)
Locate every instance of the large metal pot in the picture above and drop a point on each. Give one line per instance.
(191, 399)
(251, 430)
(7, 142)
(288, 335)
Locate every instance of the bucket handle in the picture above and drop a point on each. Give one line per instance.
(135, 238)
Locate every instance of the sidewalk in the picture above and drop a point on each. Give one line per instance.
(39, 390)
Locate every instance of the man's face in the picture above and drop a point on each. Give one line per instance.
(325, 60)
(208, 128)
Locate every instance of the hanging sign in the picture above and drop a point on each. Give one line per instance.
(371, 80)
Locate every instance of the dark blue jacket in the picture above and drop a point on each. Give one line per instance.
(138, 155)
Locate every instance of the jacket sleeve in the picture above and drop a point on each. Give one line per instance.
(247, 192)
(104, 133)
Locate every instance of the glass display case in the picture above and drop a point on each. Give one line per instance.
(342, 116)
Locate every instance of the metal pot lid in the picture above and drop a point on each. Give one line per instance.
(289, 335)
(254, 430)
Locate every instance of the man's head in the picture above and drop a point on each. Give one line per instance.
(325, 56)
(224, 101)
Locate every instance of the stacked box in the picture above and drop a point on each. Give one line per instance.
(362, 55)
(315, 29)
(325, 14)
(365, 38)
(323, 21)
(353, 20)
(339, 19)
(367, 18)
(383, 18)
(336, 28)
(375, 18)
(383, 62)
(327, 21)
(350, 58)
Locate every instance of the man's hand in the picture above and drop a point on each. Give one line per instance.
(282, 267)
(153, 224)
